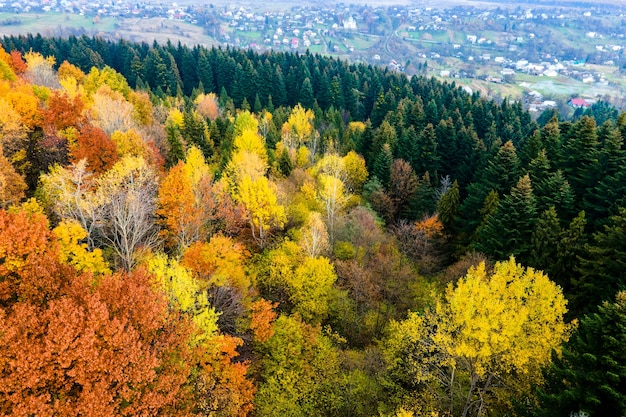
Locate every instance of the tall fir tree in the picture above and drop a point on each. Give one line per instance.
(588, 377)
(509, 230)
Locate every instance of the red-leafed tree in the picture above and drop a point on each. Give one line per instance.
(95, 146)
(17, 62)
(73, 347)
(63, 112)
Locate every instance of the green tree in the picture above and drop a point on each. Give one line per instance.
(382, 165)
(589, 376)
(508, 231)
(299, 372)
(603, 264)
(427, 158)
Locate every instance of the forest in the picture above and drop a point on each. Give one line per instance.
(214, 232)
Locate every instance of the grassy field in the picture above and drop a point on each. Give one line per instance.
(52, 23)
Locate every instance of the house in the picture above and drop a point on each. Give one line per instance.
(578, 103)
(349, 24)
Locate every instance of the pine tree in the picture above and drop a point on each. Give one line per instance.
(448, 206)
(509, 230)
(589, 375)
(382, 165)
(611, 175)
(579, 156)
(427, 159)
(306, 97)
(545, 240)
(603, 264)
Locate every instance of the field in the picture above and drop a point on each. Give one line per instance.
(50, 24)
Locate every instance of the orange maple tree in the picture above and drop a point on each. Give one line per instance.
(94, 145)
(74, 348)
(63, 111)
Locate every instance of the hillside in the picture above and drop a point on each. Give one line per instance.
(212, 231)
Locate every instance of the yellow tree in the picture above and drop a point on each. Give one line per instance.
(356, 171)
(298, 129)
(72, 251)
(332, 193)
(485, 343)
(314, 236)
(264, 213)
(304, 283)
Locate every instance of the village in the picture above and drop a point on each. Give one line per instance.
(490, 49)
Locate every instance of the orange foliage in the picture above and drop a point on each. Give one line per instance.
(222, 388)
(12, 184)
(219, 262)
(28, 259)
(182, 223)
(94, 145)
(67, 70)
(17, 62)
(431, 227)
(208, 106)
(63, 111)
(71, 349)
(263, 315)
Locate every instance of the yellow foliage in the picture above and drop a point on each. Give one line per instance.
(356, 126)
(67, 70)
(72, 87)
(143, 110)
(175, 118)
(220, 262)
(514, 316)
(298, 128)
(130, 143)
(6, 72)
(69, 234)
(4, 56)
(303, 157)
(310, 288)
(185, 294)
(26, 105)
(356, 171)
(259, 198)
(485, 342)
(30, 207)
(196, 166)
(245, 121)
(35, 59)
(250, 141)
(107, 76)
(242, 164)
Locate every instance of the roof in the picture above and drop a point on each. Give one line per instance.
(579, 102)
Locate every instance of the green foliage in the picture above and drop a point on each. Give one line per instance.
(508, 230)
(299, 372)
(589, 376)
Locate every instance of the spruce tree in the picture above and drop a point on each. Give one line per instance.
(427, 158)
(509, 230)
(448, 206)
(382, 165)
(603, 264)
(590, 374)
(545, 240)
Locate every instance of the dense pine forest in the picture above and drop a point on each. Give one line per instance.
(214, 232)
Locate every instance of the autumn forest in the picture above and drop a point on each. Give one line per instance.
(215, 232)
